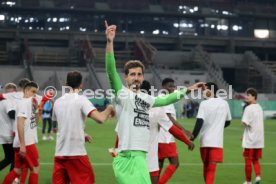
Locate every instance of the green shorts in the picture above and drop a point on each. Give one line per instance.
(131, 167)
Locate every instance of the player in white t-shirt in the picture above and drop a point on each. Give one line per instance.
(133, 121)
(167, 147)
(14, 99)
(26, 154)
(7, 116)
(159, 119)
(213, 116)
(71, 162)
(253, 136)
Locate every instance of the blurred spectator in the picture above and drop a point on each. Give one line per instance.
(46, 108)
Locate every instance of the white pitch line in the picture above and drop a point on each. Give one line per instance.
(181, 164)
(241, 130)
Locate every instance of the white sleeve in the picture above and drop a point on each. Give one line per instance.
(116, 128)
(151, 100)
(86, 106)
(229, 117)
(123, 96)
(10, 105)
(201, 113)
(54, 117)
(246, 117)
(169, 109)
(22, 109)
(164, 121)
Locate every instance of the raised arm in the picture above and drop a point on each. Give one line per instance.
(176, 96)
(169, 99)
(100, 117)
(197, 128)
(110, 65)
(178, 125)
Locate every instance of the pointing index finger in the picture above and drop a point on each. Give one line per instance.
(106, 25)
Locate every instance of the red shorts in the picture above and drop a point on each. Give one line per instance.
(73, 169)
(30, 160)
(167, 150)
(255, 153)
(211, 154)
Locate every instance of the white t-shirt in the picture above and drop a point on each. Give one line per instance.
(164, 135)
(214, 112)
(13, 99)
(157, 118)
(6, 124)
(133, 120)
(25, 109)
(70, 112)
(253, 136)
(14, 95)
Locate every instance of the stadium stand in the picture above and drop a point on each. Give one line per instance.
(130, 5)
(163, 42)
(50, 56)
(3, 57)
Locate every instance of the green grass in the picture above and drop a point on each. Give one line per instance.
(190, 170)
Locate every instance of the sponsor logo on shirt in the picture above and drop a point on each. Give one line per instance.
(33, 122)
(142, 117)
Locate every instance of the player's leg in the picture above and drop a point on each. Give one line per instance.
(9, 155)
(215, 155)
(247, 154)
(33, 178)
(31, 159)
(15, 173)
(210, 157)
(257, 166)
(164, 151)
(170, 170)
(161, 164)
(169, 151)
(24, 175)
(205, 167)
(154, 177)
(44, 123)
(248, 168)
(50, 137)
(210, 172)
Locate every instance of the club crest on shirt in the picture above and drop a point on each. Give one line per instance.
(142, 117)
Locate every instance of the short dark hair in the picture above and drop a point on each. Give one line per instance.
(74, 79)
(133, 64)
(31, 84)
(253, 92)
(212, 85)
(166, 81)
(145, 86)
(23, 82)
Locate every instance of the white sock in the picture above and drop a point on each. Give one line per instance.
(258, 178)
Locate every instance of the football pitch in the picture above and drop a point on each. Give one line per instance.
(190, 169)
